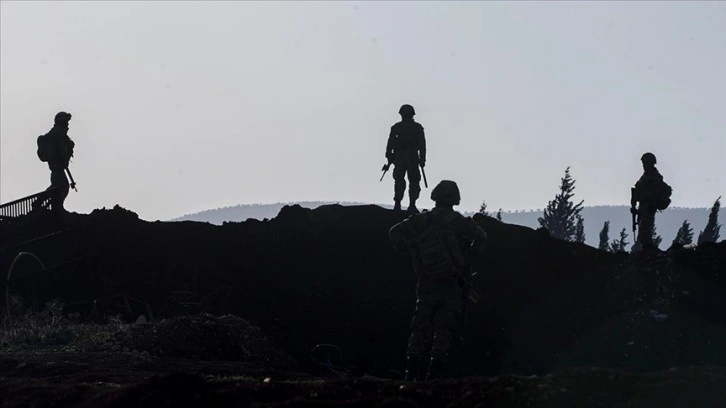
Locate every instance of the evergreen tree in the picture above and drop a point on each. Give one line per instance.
(483, 209)
(604, 236)
(499, 215)
(580, 230)
(620, 245)
(637, 246)
(712, 231)
(684, 236)
(561, 214)
(656, 238)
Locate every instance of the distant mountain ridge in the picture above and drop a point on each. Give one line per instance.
(667, 223)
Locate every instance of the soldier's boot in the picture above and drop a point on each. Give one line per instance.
(412, 207)
(435, 368)
(411, 368)
(397, 205)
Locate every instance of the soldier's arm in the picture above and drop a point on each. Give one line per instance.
(389, 145)
(473, 233)
(398, 235)
(422, 148)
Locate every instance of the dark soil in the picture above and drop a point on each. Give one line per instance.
(330, 277)
(130, 379)
(205, 337)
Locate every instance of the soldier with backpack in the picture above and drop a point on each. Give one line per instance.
(438, 243)
(406, 150)
(650, 194)
(56, 149)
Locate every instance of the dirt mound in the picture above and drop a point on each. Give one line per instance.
(205, 337)
(330, 276)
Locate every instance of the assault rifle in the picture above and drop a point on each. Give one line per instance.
(468, 285)
(385, 170)
(633, 211)
(467, 279)
(426, 183)
(73, 182)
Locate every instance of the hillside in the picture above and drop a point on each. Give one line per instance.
(329, 276)
(667, 222)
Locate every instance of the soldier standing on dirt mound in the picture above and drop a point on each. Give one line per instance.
(56, 148)
(653, 194)
(438, 243)
(406, 150)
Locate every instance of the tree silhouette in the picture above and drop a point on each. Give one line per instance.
(684, 236)
(604, 238)
(483, 209)
(560, 215)
(620, 245)
(712, 231)
(655, 238)
(580, 229)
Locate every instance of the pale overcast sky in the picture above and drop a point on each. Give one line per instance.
(180, 107)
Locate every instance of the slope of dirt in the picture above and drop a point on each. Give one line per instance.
(330, 276)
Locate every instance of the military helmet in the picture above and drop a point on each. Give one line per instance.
(62, 117)
(648, 158)
(406, 110)
(446, 192)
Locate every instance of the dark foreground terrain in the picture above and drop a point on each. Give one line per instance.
(324, 303)
(55, 379)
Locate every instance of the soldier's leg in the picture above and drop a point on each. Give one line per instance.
(421, 329)
(59, 182)
(414, 181)
(399, 183)
(446, 322)
(646, 222)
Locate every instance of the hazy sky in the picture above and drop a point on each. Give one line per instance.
(184, 106)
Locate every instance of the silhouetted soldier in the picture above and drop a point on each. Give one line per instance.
(406, 149)
(652, 194)
(439, 244)
(56, 148)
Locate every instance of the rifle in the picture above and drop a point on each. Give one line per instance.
(385, 170)
(633, 211)
(467, 280)
(469, 287)
(467, 284)
(426, 183)
(73, 182)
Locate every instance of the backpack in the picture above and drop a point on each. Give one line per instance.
(663, 196)
(435, 252)
(46, 150)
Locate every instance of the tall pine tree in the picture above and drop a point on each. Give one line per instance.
(684, 236)
(580, 230)
(560, 215)
(712, 231)
(604, 236)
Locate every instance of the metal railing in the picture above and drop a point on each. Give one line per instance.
(26, 205)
